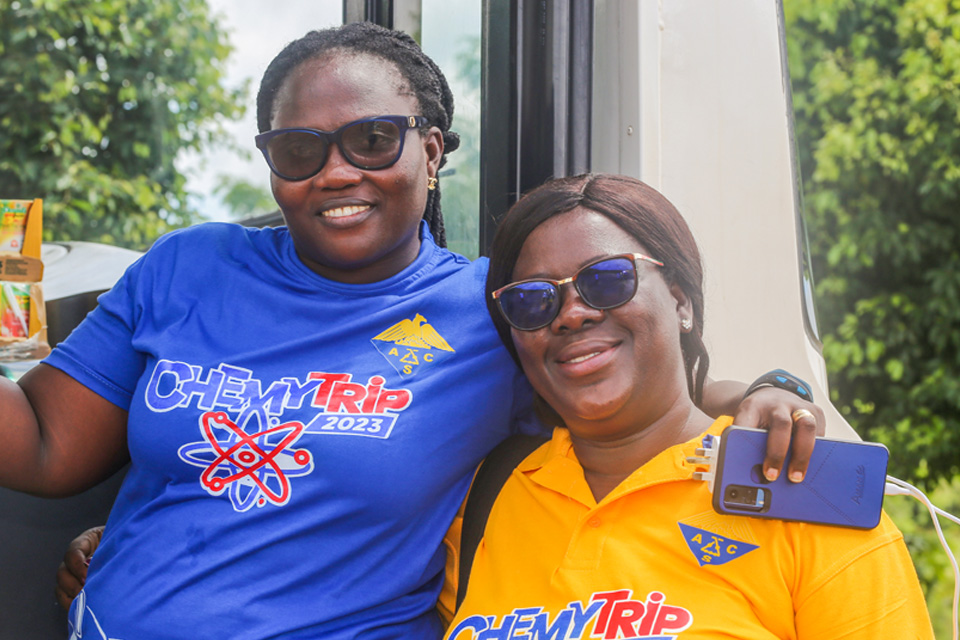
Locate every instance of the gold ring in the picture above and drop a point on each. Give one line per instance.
(800, 414)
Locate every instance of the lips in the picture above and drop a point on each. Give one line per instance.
(586, 357)
(580, 359)
(343, 212)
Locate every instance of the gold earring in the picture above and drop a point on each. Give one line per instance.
(431, 183)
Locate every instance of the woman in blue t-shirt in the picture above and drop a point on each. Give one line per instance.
(302, 408)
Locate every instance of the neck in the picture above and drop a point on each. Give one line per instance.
(607, 463)
(383, 268)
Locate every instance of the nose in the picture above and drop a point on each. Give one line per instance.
(574, 314)
(337, 173)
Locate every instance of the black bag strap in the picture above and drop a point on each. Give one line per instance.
(490, 478)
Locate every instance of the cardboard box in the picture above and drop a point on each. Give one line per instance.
(23, 265)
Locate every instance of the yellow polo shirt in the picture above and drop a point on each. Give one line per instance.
(653, 560)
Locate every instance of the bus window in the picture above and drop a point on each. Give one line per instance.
(451, 36)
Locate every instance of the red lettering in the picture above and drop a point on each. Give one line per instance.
(610, 597)
(624, 614)
(346, 395)
(671, 619)
(337, 394)
(373, 392)
(654, 600)
(393, 399)
(323, 391)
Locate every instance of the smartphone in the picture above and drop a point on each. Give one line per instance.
(844, 484)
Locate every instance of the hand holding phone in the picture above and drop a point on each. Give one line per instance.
(843, 486)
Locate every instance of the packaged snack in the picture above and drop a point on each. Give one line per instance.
(14, 310)
(23, 318)
(13, 224)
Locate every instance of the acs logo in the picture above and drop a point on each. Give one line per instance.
(411, 344)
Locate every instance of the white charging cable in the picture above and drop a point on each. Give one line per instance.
(897, 487)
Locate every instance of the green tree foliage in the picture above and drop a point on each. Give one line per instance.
(242, 198)
(97, 100)
(932, 563)
(877, 97)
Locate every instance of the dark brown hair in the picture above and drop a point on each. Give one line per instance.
(637, 208)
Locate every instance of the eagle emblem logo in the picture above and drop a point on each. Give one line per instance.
(411, 344)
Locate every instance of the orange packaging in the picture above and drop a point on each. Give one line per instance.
(23, 318)
(13, 224)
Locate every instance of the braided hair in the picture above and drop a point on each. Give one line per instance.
(421, 73)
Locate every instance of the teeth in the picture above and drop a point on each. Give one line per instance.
(583, 358)
(341, 212)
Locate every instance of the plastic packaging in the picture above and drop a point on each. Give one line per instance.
(14, 310)
(13, 224)
(23, 318)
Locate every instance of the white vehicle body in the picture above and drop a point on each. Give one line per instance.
(693, 98)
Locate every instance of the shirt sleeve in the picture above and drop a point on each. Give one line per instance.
(870, 593)
(99, 353)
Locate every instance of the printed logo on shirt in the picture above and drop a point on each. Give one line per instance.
(82, 622)
(608, 614)
(253, 468)
(249, 448)
(712, 548)
(412, 344)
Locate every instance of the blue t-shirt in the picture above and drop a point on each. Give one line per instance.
(299, 446)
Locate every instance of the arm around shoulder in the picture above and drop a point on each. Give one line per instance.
(59, 437)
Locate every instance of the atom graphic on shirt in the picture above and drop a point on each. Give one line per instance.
(253, 468)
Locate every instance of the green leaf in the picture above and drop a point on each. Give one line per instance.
(97, 102)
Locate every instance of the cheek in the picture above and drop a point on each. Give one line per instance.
(284, 192)
(530, 352)
(412, 167)
(410, 189)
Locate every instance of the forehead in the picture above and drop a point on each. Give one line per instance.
(566, 242)
(339, 87)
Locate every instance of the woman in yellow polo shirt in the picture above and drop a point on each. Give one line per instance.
(618, 356)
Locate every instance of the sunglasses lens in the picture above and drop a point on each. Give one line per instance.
(297, 154)
(530, 305)
(372, 145)
(608, 284)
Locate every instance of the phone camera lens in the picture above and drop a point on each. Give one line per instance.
(734, 494)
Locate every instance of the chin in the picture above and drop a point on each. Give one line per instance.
(591, 410)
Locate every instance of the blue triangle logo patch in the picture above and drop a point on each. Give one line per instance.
(709, 548)
(410, 344)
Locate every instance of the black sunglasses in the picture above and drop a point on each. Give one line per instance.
(609, 282)
(370, 143)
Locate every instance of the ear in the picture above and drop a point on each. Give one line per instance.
(684, 306)
(433, 150)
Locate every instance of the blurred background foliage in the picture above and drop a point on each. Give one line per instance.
(877, 101)
(98, 100)
(876, 90)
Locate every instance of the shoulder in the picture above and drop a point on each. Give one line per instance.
(210, 235)
(877, 567)
(209, 243)
(441, 273)
(453, 264)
